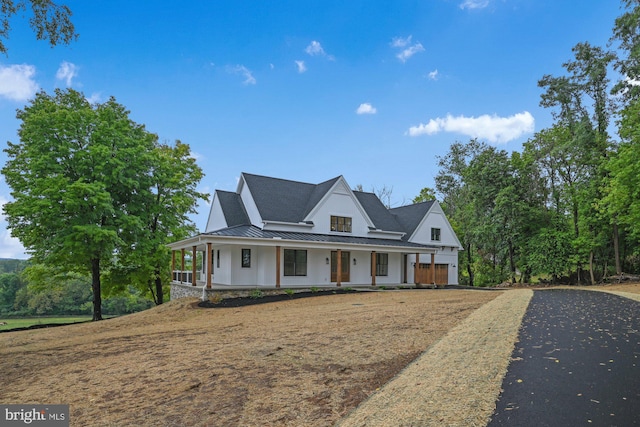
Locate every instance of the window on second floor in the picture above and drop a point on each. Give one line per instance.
(341, 224)
(435, 234)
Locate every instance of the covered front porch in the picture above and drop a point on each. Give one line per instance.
(215, 262)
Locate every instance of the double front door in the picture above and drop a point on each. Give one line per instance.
(344, 265)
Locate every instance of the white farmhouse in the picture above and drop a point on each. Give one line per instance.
(276, 233)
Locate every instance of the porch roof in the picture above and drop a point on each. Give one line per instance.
(243, 232)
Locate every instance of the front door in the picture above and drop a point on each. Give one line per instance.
(345, 266)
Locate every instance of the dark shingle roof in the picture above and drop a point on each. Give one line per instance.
(410, 216)
(379, 214)
(280, 199)
(251, 231)
(291, 201)
(232, 208)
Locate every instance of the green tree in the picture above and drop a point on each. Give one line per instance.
(169, 195)
(10, 284)
(75, 177)
(456, 200)
(49, 21)
(426, 194)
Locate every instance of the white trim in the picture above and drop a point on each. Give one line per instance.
(326, 196)
(448, 224)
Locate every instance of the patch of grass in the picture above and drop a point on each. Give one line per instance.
(289, 292)
(215, 298)
(315, 289)
(256, 294)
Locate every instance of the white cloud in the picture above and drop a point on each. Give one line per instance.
(315, 49)
(474, 4)
(94, 98)
(10, 247)
(243, 71)
(301, 67)
(400, 42)
(366, 108)
(67, 72)
(407, 50)
(16, 82)
(493, 128)
(433, 75)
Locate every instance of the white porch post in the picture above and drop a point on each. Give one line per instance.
(209, 264)
(182, 266)
(173, 265)
(373, 268)
(277, 266)
(193, 265)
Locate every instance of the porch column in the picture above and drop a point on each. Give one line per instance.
(209, 264)
(193, 265)
(433, 269)
(182, 267)
(277, 266)
(373, 268)
(416, 268)
(339, 266)
(173, 265)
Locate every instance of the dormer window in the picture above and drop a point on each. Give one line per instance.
(341, 224)
(435, 234)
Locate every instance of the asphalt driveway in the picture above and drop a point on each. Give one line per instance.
(577, 363)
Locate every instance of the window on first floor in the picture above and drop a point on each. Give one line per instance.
(382, 264)
(435, 234)
(246, 258)
(218, 258)
(295, 262)
(341, 224)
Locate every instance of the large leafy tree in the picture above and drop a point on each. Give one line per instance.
(169, 195)
(49, 21)
(76, 183)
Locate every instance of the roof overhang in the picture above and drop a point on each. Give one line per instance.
(302, 240)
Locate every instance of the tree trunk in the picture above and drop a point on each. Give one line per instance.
(153, 294)
(616, 248)
(469, 269)
(159, 294)
(512, 262)
(95, 285)
(593, 279)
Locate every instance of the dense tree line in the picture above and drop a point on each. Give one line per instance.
(70, 295)
(567, 207)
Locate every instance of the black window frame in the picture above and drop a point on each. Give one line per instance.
(341, 224)
(382, 264)
(436, 234)
(295, 262)
(246, 258)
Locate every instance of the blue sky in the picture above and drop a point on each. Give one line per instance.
(309, 90)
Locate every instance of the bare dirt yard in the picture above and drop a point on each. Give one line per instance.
(301, 362)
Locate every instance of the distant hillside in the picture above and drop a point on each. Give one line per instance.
(10, 265)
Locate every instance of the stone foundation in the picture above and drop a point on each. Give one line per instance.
(187, 290)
